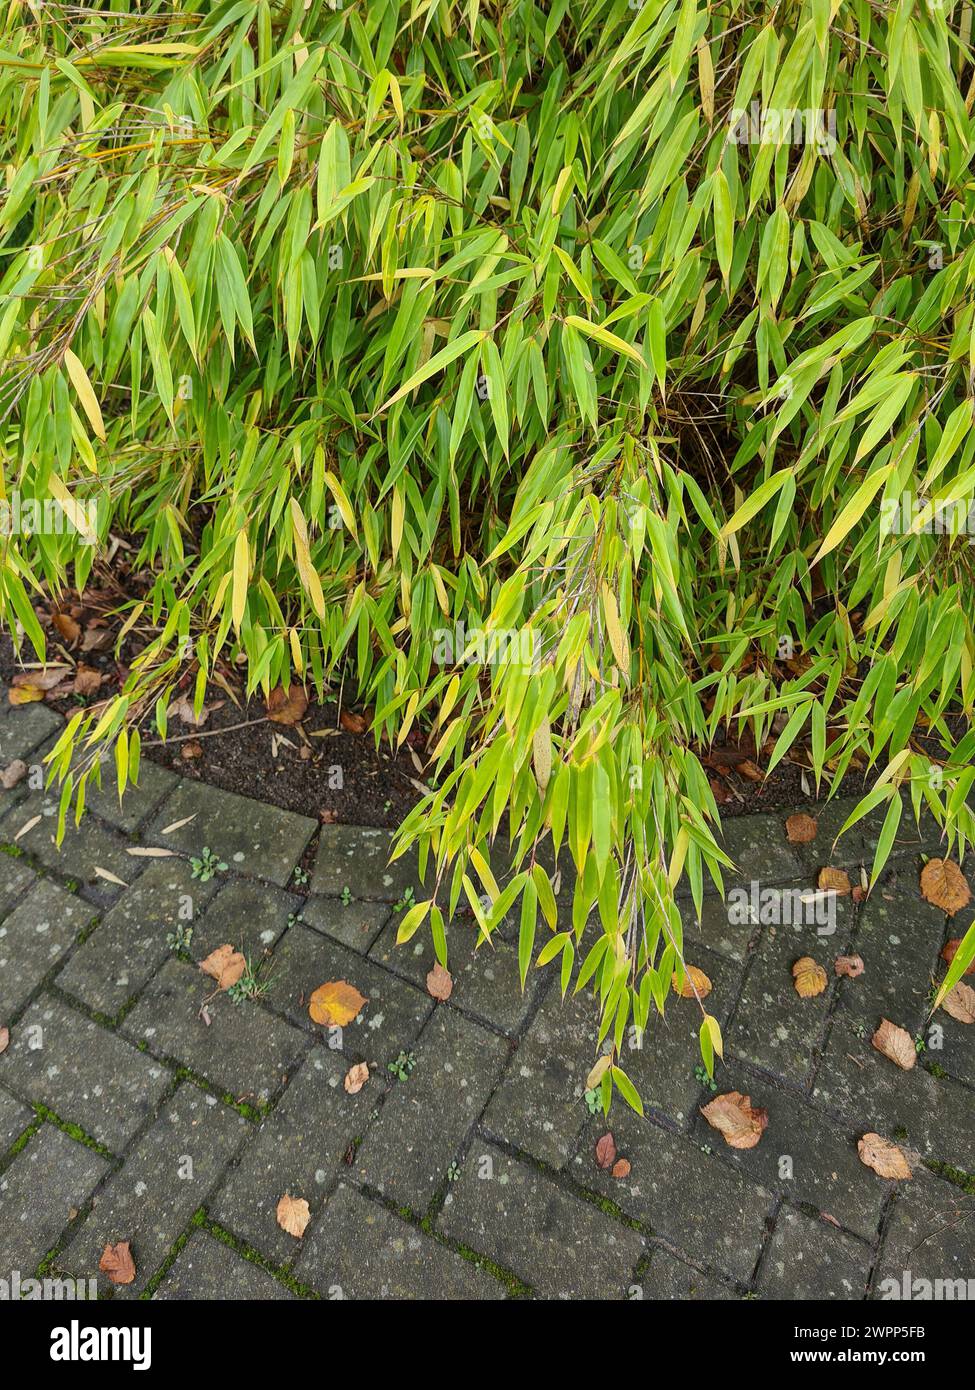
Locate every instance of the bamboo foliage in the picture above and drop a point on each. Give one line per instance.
(562, 330)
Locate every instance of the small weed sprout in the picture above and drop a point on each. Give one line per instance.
(402, 1065)
(207, 865)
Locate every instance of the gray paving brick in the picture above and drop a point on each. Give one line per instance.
(859, 843)
(898, 937)
(559, 1245)
(250, 916)
(663, 1067)
(719, 927)
(242, 1049)
(930, 1236)
(83, 849)
(14, 1119)
(163, 1181)
(486, 978)
(710, 1212)
(758, 843)
(16, 876)
(48, 1181)
(129, 944)
(807, 1259)
(426, 1119)
(802, 1155)
(34, 938)
(539, 1106)
(670, 1278)
(355, 924)
(385, 1025)
(359, 1250)
(138, 802)
(82, 1072)
(249, 836)
(300, 1148)
(773, 1027)
(356, 857)
(932, 1114)
(207, 1270)
(23, 728)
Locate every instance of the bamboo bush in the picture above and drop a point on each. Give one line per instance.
(606, 338)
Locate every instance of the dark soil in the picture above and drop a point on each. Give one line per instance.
(319, 767)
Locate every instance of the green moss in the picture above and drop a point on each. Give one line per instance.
(957, 1176)
(73, 1131)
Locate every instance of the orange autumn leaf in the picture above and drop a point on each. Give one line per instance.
(885, 1158)
(225, 965)
(440, 983)
(834, 880)
(896, 1044)
(701, 983)
(740, 1124)
(293, 1215)
(356, 1077)
(850, 966)
(287, 707)
(800, 829)
(117, 1263)
(960, 1003)
(809, 977)
(621, 1169)
(944, 886)
(335, 1003)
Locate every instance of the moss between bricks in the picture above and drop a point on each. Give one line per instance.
(957, 1176)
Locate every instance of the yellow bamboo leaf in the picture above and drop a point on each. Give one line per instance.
(242, 566)
(306, 570)
(85, 392)
(75, 514)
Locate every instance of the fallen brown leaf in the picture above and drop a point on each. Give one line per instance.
(943, 885)
(809, 977)
(440, 982)
(117, 1263)
(859, 894)
(356, 1077)
(740, 1124)
(885, 1158)
(335, 1003)
(191, 750)
(328, 817)
(835, 880)
(621, 1169)
(719, 790)
(750, 771)
(960, 1003)
(800, 829)
(701, 983)
(850, 966)
(4, 1039)
(287, 706)
(66, 625)
(353, 723)
(949, 952)
(605, 1151)
(87, 681)
(184, 709)
(293, 1215)
(896, 1044)
(96, 638)
(225, 965)
(24, 694)
(13, 773)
